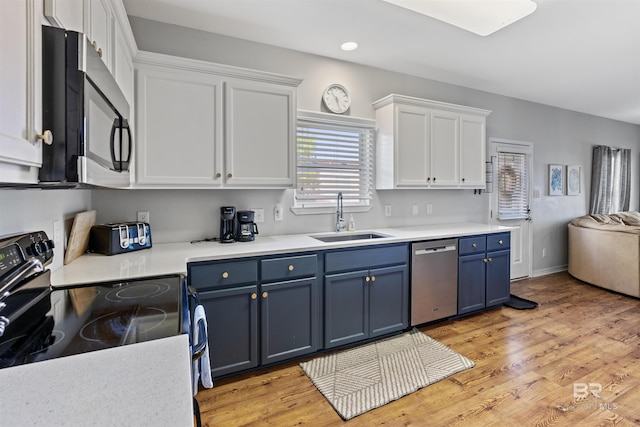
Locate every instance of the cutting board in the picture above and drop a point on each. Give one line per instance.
(79, 237)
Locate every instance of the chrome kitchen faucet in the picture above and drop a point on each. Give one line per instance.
(340, 225)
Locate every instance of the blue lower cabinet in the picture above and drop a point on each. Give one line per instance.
(232, 320)
(484, 264)
(365, 303)
(273, 317)
(289, 319)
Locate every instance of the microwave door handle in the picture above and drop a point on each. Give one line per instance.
(112, 142)
(125, 125)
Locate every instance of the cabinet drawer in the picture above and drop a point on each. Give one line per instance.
(497, 242)
(289, 268)
(472, 245)
(223, 273)
(366, 258)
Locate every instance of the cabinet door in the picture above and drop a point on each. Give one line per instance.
(260, 134)
(346, 316)
(444, 148)
(67, 14)
(289, 319)
(498, 278)
(99, 29)
(471, 283)
(388, 300)
(472, 152)
(413, 148)
(123, 64)
(21, 91)
(232, 320)
(179, 127)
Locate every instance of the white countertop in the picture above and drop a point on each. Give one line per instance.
(144, 384)
(172, 258)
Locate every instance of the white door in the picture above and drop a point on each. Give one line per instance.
(511, 198)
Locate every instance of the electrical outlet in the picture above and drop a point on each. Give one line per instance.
(278, 212)
(258, 214)
(544, 252)
(58, 235)
(387, 210)
(143, 217)
(429, 208)
(414, 210)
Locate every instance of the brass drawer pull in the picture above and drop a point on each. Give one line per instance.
(474, 245)
(229, 175)
(373, 278)
(254, 295)
(291, 267)
(265, 294)
(499, 242)
(46, 137)
(367, 279)
(225, 275)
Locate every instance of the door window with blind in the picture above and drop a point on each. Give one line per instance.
(334, 154)
(513, 186)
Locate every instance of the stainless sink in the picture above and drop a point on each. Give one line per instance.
(344, 237)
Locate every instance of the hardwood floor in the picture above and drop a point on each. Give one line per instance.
(528, 363)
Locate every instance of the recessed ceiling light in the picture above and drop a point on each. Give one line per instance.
(348, 46)
(482, 17)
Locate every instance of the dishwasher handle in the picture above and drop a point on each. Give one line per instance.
(437, 249)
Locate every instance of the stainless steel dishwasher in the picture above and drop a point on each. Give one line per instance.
(434, 280)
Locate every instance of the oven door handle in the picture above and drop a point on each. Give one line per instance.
(198, 350)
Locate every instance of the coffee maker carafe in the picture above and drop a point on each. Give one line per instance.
(246, 229)
(227, 224)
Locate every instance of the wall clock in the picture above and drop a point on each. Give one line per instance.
(336, 98)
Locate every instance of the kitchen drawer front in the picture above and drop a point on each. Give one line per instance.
(472, 245)
(498, 242)
(366, 258)
(220, 274)
(289, 268)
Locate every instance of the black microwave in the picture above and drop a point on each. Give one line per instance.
(86, 112)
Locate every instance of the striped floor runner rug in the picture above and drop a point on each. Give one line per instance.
(357, 380)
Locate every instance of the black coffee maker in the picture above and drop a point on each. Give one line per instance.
(227, 224)
(246, 229)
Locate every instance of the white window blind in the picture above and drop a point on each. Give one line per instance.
(334, 156)
(513, 183)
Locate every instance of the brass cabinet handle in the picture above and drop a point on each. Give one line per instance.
(265, 294)
(474, 245)
(485, 260)
(373, 278)
(254, 295)
(291, 267)
(490, 260)
(94, 44)
(499, 242)
(218, 175)
(229, 175)
(46, 137)
(367, 279)
(100, 52)
(225, 275)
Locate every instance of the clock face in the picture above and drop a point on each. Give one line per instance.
(336, 98)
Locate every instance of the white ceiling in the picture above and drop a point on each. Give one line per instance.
(583, 55)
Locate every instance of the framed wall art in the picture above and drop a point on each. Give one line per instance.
(556, 180)
(574, 180)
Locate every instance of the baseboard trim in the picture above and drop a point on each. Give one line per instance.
(545, 271)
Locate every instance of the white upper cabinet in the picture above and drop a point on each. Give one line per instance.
(260, 134)
(21, 90)
(204, 125)
(429, 144)
(99, 29)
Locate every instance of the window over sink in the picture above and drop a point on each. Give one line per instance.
(334, 154)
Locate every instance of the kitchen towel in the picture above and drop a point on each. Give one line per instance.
(202, 366)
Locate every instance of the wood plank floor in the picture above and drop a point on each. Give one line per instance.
(527, 362)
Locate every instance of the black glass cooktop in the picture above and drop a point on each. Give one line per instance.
(63, 322)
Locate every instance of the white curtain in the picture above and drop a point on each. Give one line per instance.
(610, 180)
